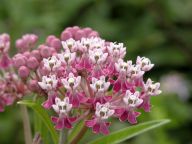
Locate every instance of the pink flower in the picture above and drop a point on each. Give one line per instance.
(52, 63)
(152, 89)
(71, 82)
(99, 85)
(97, 56)
(122, 67)
(62, 108)
(131, 101)
(145, 63)
(48, 82)
(117, 51)
(98, 123)
(135, 72)
(67, 58)
(69, 45)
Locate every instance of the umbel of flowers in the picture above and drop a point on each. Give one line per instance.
(81, 76)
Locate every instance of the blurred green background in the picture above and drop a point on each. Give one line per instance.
(158, 29)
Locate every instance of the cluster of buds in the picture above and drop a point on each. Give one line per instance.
(11, 87)
(84, 77)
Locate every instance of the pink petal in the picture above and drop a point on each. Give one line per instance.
(90, 123)
(96, 128)
(104, 128)
(124, 116)
(72, 119)
(59, 124)
(75, 101)
(5, 61)
(132, 117)
(47, 104)
(119, 111)
(54, 119)
(146, 105)
(117, 86)
(67, 123)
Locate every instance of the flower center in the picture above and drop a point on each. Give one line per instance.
(71, 81)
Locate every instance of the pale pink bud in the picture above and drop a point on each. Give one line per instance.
(33, 38)
(19, 60)
(32, 63)
(74, 29)
(49, 39)
(93, 34)
(56, 43)
(33, 85)
(36, 54)
(20, 44)
(87, 31)
(23, 72)
(79, 34)
(27, 54)
(65, 35)
(45, 51)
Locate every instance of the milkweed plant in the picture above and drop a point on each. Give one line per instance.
(80, 76)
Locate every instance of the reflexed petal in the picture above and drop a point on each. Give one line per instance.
(96, 128)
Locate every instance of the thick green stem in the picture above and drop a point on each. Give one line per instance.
(63, 136)
(26, 125)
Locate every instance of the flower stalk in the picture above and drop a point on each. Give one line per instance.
(26, 125)
(63, 136)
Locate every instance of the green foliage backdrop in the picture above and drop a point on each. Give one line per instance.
(158, 29)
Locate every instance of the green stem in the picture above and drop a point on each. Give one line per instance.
(63, 136)
(81, 132)
(80, 135)
(26, 125)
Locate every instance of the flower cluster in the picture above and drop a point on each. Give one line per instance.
(82, 77)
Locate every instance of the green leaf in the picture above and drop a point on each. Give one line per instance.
(129, 132)
(42, 114)
(40, 128)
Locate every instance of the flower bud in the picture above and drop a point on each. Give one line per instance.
(56, 43)
(65, 35)
(36, 54)
(19, 60)
(32, 63)
(23, 72)
(33, 85)
(44, 51)
(93, 34)
(27, 54)
(87, 31)
(79, 34)
(49, 39)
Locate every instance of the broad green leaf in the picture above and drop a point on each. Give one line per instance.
(129, 132)
(75, 130)
(43, 116)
